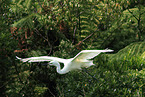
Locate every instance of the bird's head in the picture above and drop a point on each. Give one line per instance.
(53, 63)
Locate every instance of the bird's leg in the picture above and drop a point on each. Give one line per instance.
(90, 74)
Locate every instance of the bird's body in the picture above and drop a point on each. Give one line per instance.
(82, 59)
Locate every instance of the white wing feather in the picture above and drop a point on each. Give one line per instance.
(82, 58)
(88, 54)
(41, 59)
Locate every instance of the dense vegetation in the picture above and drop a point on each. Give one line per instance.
(62, 28)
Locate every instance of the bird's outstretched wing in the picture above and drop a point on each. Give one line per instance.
(82, 58)
(41, 59)
(88, 54)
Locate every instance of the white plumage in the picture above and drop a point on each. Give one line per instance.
(82, 59)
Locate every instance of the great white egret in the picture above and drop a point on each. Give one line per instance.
(82, 59)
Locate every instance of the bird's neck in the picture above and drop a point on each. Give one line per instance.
(59, 70)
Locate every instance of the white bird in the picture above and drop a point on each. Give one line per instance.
(82, 59)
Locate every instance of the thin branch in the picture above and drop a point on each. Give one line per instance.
(49, 45)
(138, 27)
(88, 37)
(85, 39)
(37, 32)
(111, 34)
(46, 39)
(139, 20)
(132, 14)
(51, 92)
(74, 34)
(142, 13)
(61, 94)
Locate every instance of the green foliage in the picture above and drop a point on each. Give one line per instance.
(120, 76)
(28, 20)
(132, 50)
(128, 28)
(68, 52)
(40, 90)
(62, 28)
(112, 26)
(7, 46)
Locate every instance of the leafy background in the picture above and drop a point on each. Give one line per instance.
(62, 28)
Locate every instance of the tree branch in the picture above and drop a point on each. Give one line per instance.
(46, 39)
(132, 14)
(74, 34)
(51, 92)
(85, 39)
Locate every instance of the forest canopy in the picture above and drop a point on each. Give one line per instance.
(62, 28)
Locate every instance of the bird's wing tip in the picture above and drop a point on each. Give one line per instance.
(18, 57)
(106, 50)
(109, 50)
